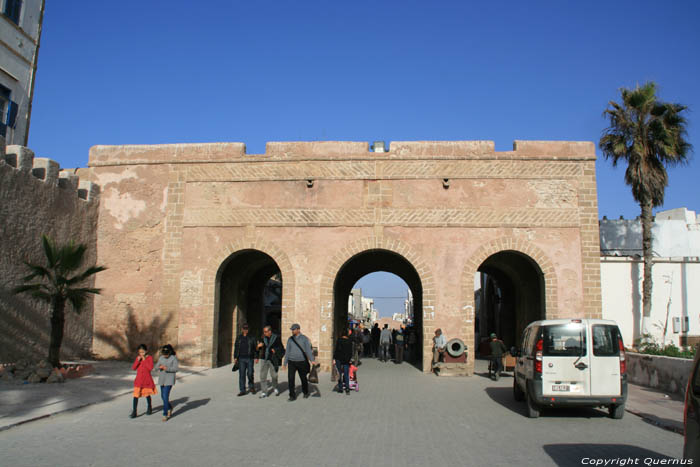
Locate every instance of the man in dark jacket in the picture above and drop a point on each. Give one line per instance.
(243, 354)
(498, 349)
(271, 354)
(374, 336)
(341, 359)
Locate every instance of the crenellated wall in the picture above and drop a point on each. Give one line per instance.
(172, 216)
(37, 197)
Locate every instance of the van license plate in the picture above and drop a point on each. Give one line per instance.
(561, 387)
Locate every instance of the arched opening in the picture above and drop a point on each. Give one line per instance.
(509, 296)
(368, 262)
(249, 287)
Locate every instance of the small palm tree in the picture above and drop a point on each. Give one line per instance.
(58, 284)
(649, 135)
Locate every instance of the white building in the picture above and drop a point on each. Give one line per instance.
(675, 274)
(408, 307)
(20, 31)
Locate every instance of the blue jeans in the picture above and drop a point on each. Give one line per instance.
(343, 375)
(245, 367)
(165, 395)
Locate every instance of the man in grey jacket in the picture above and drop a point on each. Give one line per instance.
(298, 358)
(384, 343)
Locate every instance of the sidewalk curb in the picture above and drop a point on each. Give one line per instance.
(652, 419)
(73, 409)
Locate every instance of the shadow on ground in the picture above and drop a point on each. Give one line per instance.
(504, 396)
(574, 454)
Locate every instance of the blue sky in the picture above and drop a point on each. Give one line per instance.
(158, 71)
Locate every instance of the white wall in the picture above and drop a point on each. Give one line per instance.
(621, 287)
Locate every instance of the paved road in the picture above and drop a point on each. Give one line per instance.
(399, 417)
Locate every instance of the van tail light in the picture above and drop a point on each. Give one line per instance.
(538, 356)
(623, 361)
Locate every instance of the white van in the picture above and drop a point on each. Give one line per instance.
(571, 362)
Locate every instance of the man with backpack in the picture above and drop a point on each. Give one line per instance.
(271, 354)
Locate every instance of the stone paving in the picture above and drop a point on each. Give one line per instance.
(399, 417)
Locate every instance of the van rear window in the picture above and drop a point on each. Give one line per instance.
(564, 340)
(605, 339)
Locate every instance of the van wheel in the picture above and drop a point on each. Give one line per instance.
(616, 411)
(533, 410)
(518, 393)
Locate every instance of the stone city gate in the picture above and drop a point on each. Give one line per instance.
(192, 233)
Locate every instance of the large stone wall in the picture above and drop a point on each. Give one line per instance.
(36, 198)
(171, 216)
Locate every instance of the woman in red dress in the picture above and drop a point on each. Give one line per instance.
(143, 384)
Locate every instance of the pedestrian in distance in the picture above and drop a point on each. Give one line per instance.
(374, 336)
(244, 353)
(358, 343)
(366, 346)
(143, 384)
(298, 359)
(167, 365)
(498, 349)
(439, 346)
(385, 344)
(271, 354)
(399, 344)
(342, 357)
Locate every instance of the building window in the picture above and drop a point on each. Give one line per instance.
(8, 111)
(13, 9)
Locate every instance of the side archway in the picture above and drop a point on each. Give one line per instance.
(259, 260)
(518, 286)
(354, 259)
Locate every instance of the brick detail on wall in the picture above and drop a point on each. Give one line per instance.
(417, 217)
(172, 253)
(472, 266)
(248, 171)
(210, 294)
(590, 243)
(381, 242)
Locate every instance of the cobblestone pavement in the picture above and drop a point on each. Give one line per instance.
(399, 417)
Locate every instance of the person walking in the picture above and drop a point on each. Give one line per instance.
(341, 359)
(374, 336)
(298, 359)
(271, 353)
(411, 345)
(167, 366)
(366, 346)
(243, 353)
(384, 343)
(143, 384)
(399, 343)
(358, 343)
(498, 349)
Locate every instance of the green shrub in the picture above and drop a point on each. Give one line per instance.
(648, 345)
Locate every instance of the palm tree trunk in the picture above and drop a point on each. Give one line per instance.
(58, 306)
(648, 254)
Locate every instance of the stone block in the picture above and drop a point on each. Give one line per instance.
(68, 180)
(19, 157)
(46, 170)
(88, 190)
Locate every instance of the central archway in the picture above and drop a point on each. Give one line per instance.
(376, 260)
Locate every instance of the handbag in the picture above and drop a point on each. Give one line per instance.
(313, 369)
(235, 367)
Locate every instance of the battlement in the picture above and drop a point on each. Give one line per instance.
(334, 150)
(47, 170)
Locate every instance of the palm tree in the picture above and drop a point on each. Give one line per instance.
(58, 282)
(649, 135)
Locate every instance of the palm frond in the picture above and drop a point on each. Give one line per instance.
(49, 251)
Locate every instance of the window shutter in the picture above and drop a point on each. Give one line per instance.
(12, 114)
